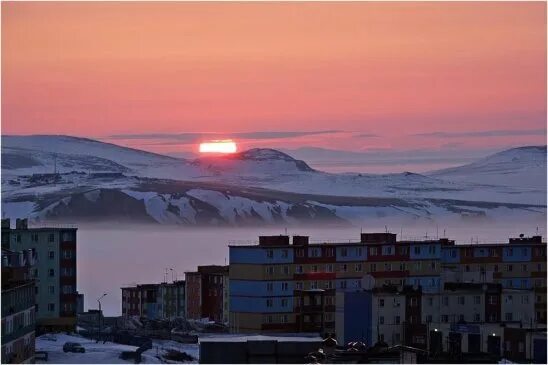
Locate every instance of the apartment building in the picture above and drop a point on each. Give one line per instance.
(55, 271)
(206, 293)
(18, 306)
(154, 301)
(278, 286)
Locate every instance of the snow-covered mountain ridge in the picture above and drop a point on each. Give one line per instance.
(255, 186)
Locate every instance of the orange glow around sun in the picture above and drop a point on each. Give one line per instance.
(226, 146)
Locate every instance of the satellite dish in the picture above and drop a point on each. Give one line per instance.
(368, 282)
(521, 235)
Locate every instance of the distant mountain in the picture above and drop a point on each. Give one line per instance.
(253, 161)
(519, 167)
(101, 181)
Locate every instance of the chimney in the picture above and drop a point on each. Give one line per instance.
(300, 240)
(274, 240)
(378, 238)
(21, 223)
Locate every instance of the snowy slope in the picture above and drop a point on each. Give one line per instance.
(518, 167)
(101, 181)
(25, 155)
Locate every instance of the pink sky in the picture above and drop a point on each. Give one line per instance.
(392, 70)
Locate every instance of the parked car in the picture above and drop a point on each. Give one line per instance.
(73, 347)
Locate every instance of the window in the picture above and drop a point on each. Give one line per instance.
(358, 267)
(300, 252)
(387, 267)
(269, 319)
(508, 316)
(510, 252)
(358, 251)
(314, 268)
(373, 267)
(51, 254)
(397, 320)
(284, 302)
(403, 251)
(467, 268)
(460, 300)
(477, 299)
(445, 318)
(314, 285)
(269, 303)
(34, 237)
(67, 254)
(270, 270)
(417, 250)
(496, 268)
(299, 285)
(524, 283)
(330, 252)
(269, 286)
(284, 318)
(413, 302)
(343, 284)
(270, 254)
(524, 299)
(493, 299)
(381, 302)
(453, 253)
(381, 319)
(461, 317)
(430, 301)
(329, 284)
(344, 252)
(51, 289)
(508, 299)
(51, 272)
(445, 301)
(429, 318)
(51, 307)
(286, 270)
(492, 317)
(329, 268)
(388, 250)
(402, 266)
(509, 267)
(476, 317)
(316, 252)
(284, 254)
(51, 237)
(67, 289)
(524, 267)
(433, 265)
(344, 267)
(299, 269)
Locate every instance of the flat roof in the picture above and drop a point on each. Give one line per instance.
(285, 337)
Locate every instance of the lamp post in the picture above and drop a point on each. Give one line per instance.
(101, 312)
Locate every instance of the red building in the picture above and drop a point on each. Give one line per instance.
(204, 292)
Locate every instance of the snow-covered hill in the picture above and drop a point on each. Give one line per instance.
(103, 181)
(523, 167)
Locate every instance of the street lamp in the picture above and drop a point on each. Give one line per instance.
(100, 313)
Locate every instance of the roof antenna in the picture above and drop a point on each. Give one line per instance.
(286, 231)
(437, 235)
(386, 229)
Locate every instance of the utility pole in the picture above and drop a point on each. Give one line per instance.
(100, 314)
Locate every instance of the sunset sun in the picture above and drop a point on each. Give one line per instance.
(226, 146)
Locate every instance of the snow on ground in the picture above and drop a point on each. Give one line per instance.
(105, 353)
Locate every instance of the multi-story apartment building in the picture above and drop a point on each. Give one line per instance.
(55, 271)
(206, 296)
(155, 301)
(18, 306)
(278, 286)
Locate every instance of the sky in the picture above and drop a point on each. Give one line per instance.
(360, 77)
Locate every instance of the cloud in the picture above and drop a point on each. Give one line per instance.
(366, 135)
(181, 138)
(488, 133)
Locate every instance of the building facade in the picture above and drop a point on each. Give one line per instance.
(206, 294)
(55, 271)
(154, 301)
(18, 306)
(278, 286)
